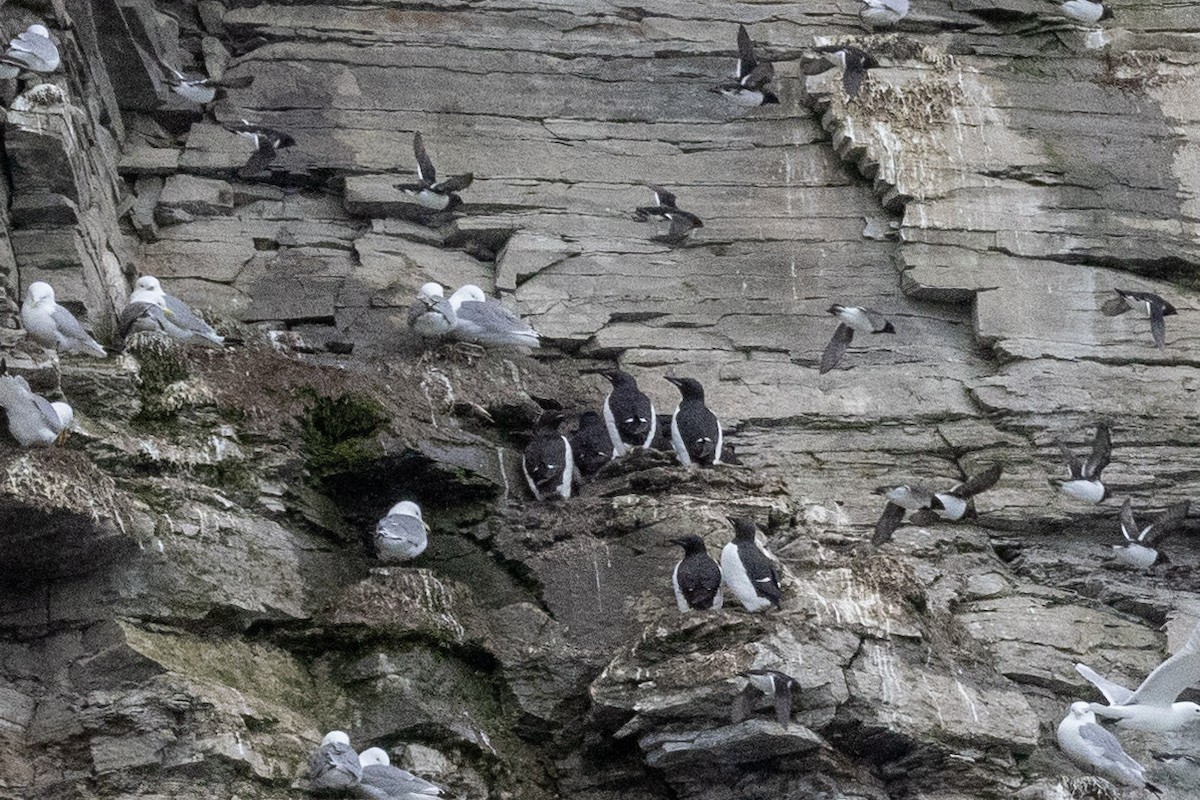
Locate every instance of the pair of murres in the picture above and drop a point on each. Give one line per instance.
(696, 434)
(745, 570)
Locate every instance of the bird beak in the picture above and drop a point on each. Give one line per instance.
(672, 379)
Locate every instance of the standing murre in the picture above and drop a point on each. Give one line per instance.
(1085, 10)
(774, 684)
(548, 464)
(591, 446)
(747, 571)
(851, 319)
(52, 326)
(682, 222)
(695, 430)
(1096, 750)
(697, 578)
(882, 13)
(267, 143)
(1139, 551)
(1158, 309)
(1083, 481)
(402, 534)
(428, 190)
(748, 87)
(1153, 706)
(628, 413)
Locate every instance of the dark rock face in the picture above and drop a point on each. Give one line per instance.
(188, 601)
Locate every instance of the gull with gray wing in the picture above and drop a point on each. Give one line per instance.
(1093, 749)
(53, 326)
(334, 766)
(32, 419)
(152, 309)
(486, 322)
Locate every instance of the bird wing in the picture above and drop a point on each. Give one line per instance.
(1129, 528)
(876, 319)
(1107, 747)
(888, 522)
(240, 82)
(662, 196)
(759, 76)
(492, 317)
(68, 326)
(1171, 677)
(1165, 524)
(1101, 452)
(334, 757)
(1158, 324)
(746, 62)
(979, 482)
(743, 704)
(134, 312)
(1114, 693)
(1115, 306)
(842, 336)
(681, 226)
(425, 170)
(53, 421)
(783, 703)
(184, 317)
(455, 183)
(1074, 465)
(263, 155)
(852, 80)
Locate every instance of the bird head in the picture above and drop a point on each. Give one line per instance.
(374, 755)
(689, 388)
(336, 737)
(406, 507)
(743, 527)
(39, 293)
(1081, 711)
(690, 543)
(430, 294)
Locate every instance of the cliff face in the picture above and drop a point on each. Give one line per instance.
(187, 601)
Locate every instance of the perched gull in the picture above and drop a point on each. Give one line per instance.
(486, 322)
(697, 578)
(152, 309)
(1155, 306)
(334, 765)
(882, 13)
(748, 87)
(628, 413)
(1085, 10)
(695, 430)
(853, 61)
(1139, 551)
(383, 781)
(851, 319)
(51, 325)
(591, 446)
(428, 190)
(267, 142)
(1152, 706)
(547, 462)
(432, 316)
(682, 222)
(1096, 750)
(776, 685)
(402, 535)
(747, 571)
(33, 50)
(1083, 478)
(203, 90)
(32, 419)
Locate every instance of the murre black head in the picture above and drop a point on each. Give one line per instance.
(690, 388)
(690, 543)
(619, 378)
(549, 420)
(743, 527)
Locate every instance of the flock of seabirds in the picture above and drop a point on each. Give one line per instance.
(554, 463)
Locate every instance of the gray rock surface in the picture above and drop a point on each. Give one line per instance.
(189, 602)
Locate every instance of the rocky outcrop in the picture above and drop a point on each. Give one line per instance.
(189, 601)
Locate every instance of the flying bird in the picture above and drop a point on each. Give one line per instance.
(1153, 705)
(747, 571)
(1158, 309)
(628, 413)
(486, 322)
(590, 444)
(428, 190)
(748, 86)
(697, 578)
(334, 765)
(32, 419)
(695, 430)
(682, 222)
(1083, 481)
(202, 90)
(402, 534)
(853, 61)
(773, 684)
(267, 143)
(53, 326)
(882, 13)
(382, 781)
(929, 506)
(432, 316)
(1085, 11)
(32, 50)
(548, 462)
(1096, 750)
(851, 319)
(1138, 551)
(152, 309)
